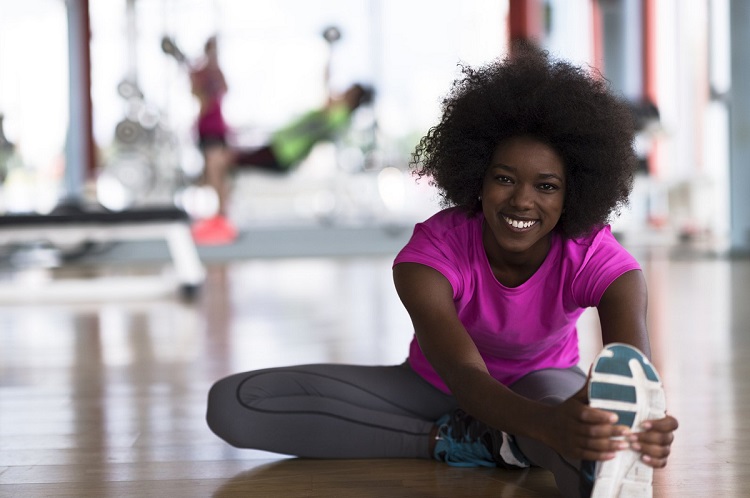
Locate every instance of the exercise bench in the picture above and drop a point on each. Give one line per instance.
(169, 224)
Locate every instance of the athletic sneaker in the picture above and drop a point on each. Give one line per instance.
(216, 230)
(624, 382)
(463, 441)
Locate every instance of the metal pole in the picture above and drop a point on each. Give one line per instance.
(739, 128)
(79, 151)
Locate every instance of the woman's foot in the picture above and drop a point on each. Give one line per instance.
(463, 441)
(624, 382)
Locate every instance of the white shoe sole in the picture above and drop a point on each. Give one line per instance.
(623, 381)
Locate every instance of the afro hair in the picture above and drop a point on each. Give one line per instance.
(530, 94)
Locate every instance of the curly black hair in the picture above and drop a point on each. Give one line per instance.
(530, 94)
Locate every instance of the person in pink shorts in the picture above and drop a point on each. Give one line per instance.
(208, 84)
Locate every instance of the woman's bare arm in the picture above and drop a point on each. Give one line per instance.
(572, 428)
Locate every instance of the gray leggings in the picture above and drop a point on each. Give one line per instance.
(349, 411)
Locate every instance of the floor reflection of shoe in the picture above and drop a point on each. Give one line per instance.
(624, 381)
(216, 230)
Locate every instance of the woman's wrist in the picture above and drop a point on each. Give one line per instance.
(534, 420)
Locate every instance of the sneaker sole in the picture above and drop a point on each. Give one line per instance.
(624, 382)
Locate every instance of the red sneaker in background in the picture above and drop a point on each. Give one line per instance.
(217, 230)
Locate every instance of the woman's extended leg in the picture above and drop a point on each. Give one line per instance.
(551, 386)
(328, 411)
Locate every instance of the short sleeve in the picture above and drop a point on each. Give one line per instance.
(603, 261)
(426, 248)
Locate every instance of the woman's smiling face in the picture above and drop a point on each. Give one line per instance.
(523, 194)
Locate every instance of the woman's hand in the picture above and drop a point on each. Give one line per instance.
(577, 431)
(654, 440)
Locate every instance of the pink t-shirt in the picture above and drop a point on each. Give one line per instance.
(520, 329)
(208, 84)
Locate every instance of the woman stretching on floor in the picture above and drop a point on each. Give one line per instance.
(532, 157)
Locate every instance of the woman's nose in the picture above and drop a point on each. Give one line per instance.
(523, 196)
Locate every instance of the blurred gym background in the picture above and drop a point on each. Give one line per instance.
(94, 112)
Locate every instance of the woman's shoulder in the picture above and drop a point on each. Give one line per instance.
(447, 234)
(599, 244)
(597, 237)
(448, 241)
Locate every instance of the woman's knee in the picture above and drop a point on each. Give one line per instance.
(238, 405)
(550, 386)
(222, 411)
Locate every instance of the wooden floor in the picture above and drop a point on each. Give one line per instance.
(107, 399)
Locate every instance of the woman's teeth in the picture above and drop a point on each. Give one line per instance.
(518, 224)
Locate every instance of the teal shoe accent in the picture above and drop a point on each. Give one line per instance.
(619, 363)
(624, 417)
(606, 390)
(463, 441)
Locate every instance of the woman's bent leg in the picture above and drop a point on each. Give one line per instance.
(328, 411)
(551, 386)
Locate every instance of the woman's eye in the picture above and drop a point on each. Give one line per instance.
(548, 186)
(503, 179)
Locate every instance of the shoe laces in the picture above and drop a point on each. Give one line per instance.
(462, 442)
(464, 427)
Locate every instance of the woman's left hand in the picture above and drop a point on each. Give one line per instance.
(654, 440)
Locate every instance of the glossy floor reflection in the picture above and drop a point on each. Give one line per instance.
(108, 399)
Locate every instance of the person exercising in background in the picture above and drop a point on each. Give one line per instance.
(208, 84)
(285, 150)
(291, 144)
